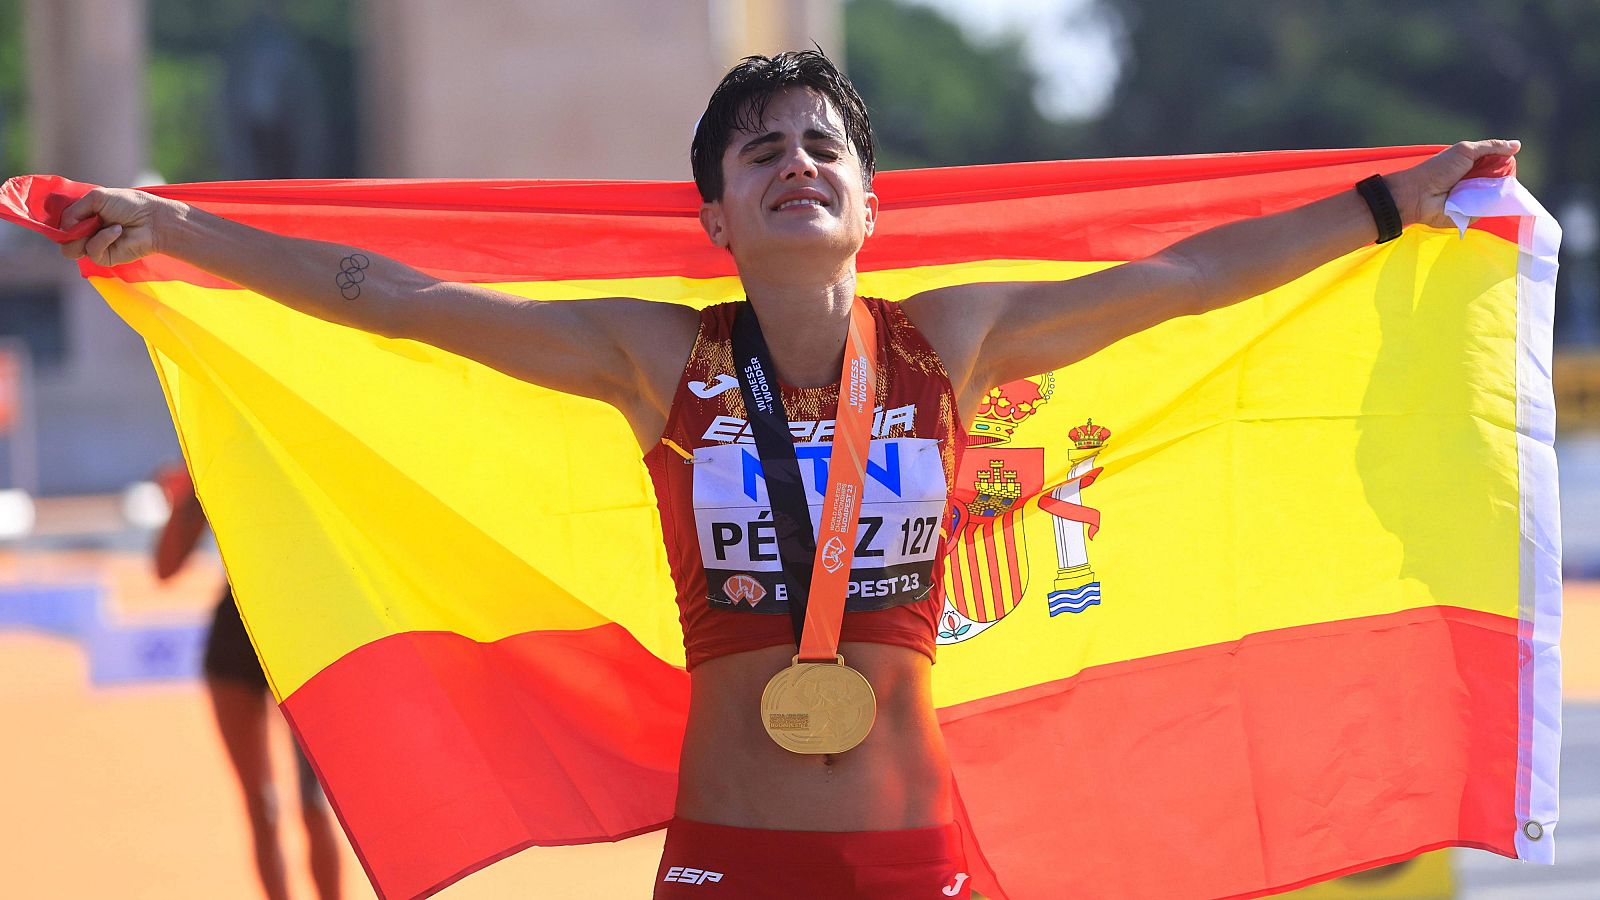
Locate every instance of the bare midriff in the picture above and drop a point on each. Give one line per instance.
(732, 773)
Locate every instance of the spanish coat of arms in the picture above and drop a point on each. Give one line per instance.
(985, 574)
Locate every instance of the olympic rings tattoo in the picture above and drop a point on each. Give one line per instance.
(352, 271)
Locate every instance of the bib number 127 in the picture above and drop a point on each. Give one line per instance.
(916, 535)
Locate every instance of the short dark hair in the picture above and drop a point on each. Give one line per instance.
(740, 104)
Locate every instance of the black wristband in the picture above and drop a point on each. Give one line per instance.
(1384, 213)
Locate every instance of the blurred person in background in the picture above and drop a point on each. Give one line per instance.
(244, 709)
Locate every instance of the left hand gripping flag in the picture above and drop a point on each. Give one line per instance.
(1245, 601)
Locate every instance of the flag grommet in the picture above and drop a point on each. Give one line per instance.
(1533, 830)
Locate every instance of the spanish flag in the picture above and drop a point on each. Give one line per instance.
(1245, 601)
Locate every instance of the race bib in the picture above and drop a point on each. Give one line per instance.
(896, 538)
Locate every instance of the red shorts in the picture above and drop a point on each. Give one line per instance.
(703, 862)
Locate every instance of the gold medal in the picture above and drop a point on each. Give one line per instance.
(818, 707)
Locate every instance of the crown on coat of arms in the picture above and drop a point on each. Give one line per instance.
(998, 490)
(1089, 436)
(1003, 408)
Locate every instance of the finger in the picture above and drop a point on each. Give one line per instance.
(99, 246)
(1480, 149)
(74, 248)
(126, 249)
(84, 207)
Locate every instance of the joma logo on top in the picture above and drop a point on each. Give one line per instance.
(734, 430)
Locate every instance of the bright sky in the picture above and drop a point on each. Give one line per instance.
(1074, 51)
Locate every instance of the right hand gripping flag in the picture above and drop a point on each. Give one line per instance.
(1242, 602)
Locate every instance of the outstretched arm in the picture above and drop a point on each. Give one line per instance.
(990, 334)
(622, 351)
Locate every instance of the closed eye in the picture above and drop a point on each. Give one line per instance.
(824, 145)
(826, 156)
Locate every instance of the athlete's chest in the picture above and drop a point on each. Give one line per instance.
(903, 496)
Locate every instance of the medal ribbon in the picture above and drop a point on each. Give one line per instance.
(822, 575)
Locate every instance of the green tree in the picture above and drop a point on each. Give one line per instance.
(185, 73)
(189, 47)
(13, 91)
(1263, 74)
(937, 98)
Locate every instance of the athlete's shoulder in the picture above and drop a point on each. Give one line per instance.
(954, 321)
(654, 339)
(716, 320)
(640, 328)
(955, 308)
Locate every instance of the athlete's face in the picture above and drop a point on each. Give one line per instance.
(793, 186)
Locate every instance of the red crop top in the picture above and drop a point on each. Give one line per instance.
(715, 516)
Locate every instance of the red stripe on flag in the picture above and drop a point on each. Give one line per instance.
(1013, 536)
(996, 592)
(974, 581)
(948, 579)
(1161, 777)
(503, 230)
(445, 754)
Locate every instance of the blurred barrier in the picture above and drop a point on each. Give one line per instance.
(119, 651)
(62, 610)
(1577, 388)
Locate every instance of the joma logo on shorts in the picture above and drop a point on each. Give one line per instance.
(686, 875)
